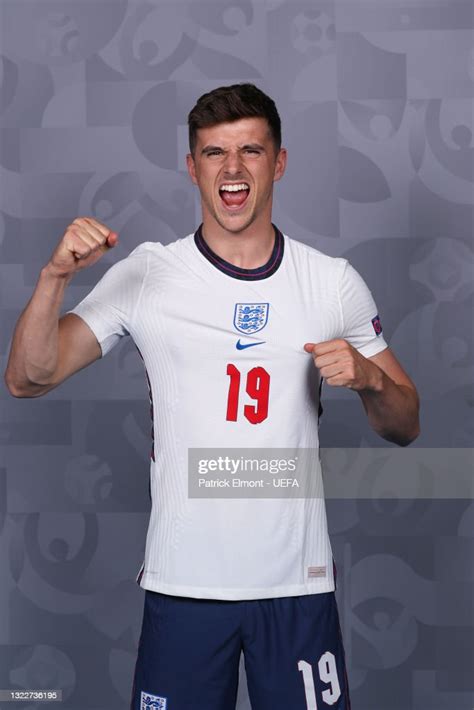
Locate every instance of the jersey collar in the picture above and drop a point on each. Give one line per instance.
(261, 272)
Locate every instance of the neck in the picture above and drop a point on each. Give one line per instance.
(247, 249)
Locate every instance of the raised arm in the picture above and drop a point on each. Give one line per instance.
(46, 349)
(362, 361)
(388, 394)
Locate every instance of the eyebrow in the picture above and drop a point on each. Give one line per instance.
(253, 146)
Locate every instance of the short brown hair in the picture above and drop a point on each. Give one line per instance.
(229, 103)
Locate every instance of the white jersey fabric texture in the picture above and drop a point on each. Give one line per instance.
(186, 309)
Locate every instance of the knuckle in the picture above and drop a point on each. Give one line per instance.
(94, 222)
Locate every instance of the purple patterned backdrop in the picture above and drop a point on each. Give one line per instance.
(376, 99)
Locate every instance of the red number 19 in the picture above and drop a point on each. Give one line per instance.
(258, 387)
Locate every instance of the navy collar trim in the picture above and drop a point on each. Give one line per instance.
(237, 272)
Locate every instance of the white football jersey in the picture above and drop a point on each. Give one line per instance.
(222, 348)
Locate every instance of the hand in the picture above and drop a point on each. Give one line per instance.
(84, 242)
(342, 365)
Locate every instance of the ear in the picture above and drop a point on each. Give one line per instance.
(191, 167)
(280, 164)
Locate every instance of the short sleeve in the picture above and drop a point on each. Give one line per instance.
(109, 308)
(361, 323)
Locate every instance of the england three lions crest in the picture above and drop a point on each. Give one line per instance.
(152, 702)
(250, 317)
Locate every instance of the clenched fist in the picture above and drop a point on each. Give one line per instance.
(342, 365)
(84, 242)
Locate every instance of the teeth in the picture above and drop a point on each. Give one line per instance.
(235, 188)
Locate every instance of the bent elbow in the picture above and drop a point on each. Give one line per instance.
(411, 439)
(21, 392)
(11, 387)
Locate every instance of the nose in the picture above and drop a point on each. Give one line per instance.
(233, 162)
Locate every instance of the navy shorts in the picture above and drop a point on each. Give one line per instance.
(189, 653)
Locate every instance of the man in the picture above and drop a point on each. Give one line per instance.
(237, 325)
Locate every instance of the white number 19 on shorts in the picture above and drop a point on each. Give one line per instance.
(328, 674)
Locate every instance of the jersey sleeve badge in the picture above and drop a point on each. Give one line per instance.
(377, 324)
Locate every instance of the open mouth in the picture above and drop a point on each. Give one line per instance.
(234, 195)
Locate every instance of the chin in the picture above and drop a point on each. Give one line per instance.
(237, 224)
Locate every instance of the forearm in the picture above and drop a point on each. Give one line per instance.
(392, 410)
(34, 350)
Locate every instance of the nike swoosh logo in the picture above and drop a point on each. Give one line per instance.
(242, 346)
